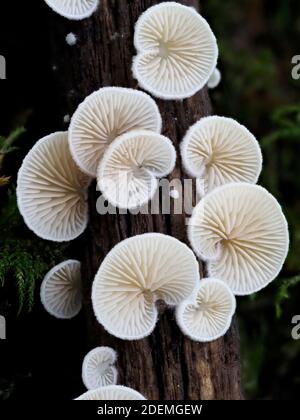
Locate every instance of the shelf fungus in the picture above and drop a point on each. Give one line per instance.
(129, 171)
(241, 231)
(134, 275)
(112, 393)
(176, 51)
(98, 368)
(74, 9)
(105, 115)
(52, 191)
(61, 293)
(218, 151)
(207, 315)
(214, 79)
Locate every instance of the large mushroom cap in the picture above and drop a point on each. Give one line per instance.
(52, 191)
(176, 51)
(127, 173)
(241, 230)
(105, 115)
(112, 393)
(134, 275)
(61, 293)
(208, 316)
(98, 368)
(219, 151)
(73, 9)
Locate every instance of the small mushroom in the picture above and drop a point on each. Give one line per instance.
(71, 39)
(112, 393)
(176, 51)
(98, 368)
(207, 316)
(137, 273)
(74, 9)
(105, 115)
(219, 151)
(61, 293)
(214, 79)
(241, 231)
(52, 192)
(127, 174)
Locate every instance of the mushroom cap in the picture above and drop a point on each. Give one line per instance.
(73, 9)
(98, 369)
(207, 316)
(52, 191)
(127, 173)
(61, 293)
(134, 275)
(111, 393)
(105, 115)
(176, 51)
(241, 231)
(219, 151)
(214, 79)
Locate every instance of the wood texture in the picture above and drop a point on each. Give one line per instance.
(165, 365)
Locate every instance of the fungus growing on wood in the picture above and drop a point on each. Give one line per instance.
(61, 293)
(105, 115)
(241, 231)
(219, 151)
(52, 191)
(128, 172)
(74, 9)
(112, 393)
(176, 51)
(98, 368)
(134, 275)
(207, 314)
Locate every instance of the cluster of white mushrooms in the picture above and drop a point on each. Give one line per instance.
(238, 228)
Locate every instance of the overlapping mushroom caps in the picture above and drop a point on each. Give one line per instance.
(73, 9)
(112, 393)
(214, 79)
(128, 172)
(207, 314)
(61, 293)
(134, 275)
(98, 368)
(241, 231)
(52, 191)
(218, 151)
(176, 51)
(105, 115)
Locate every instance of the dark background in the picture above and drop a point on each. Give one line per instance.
(257, 39)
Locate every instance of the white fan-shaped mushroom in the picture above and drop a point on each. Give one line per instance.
(105, 115)
(52, 192)
(61, 293)
(176, 51)
(127, 173)
(207, 316)
(219, 151)
(241, 230)
(112, 393)
(73, 9)
(214, 79)
(134, 275)
(98, 368)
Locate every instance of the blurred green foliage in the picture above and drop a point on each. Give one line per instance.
(6, 147)
(24, 258)
(257, 40)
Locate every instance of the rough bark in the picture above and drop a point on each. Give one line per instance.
(165, 365)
